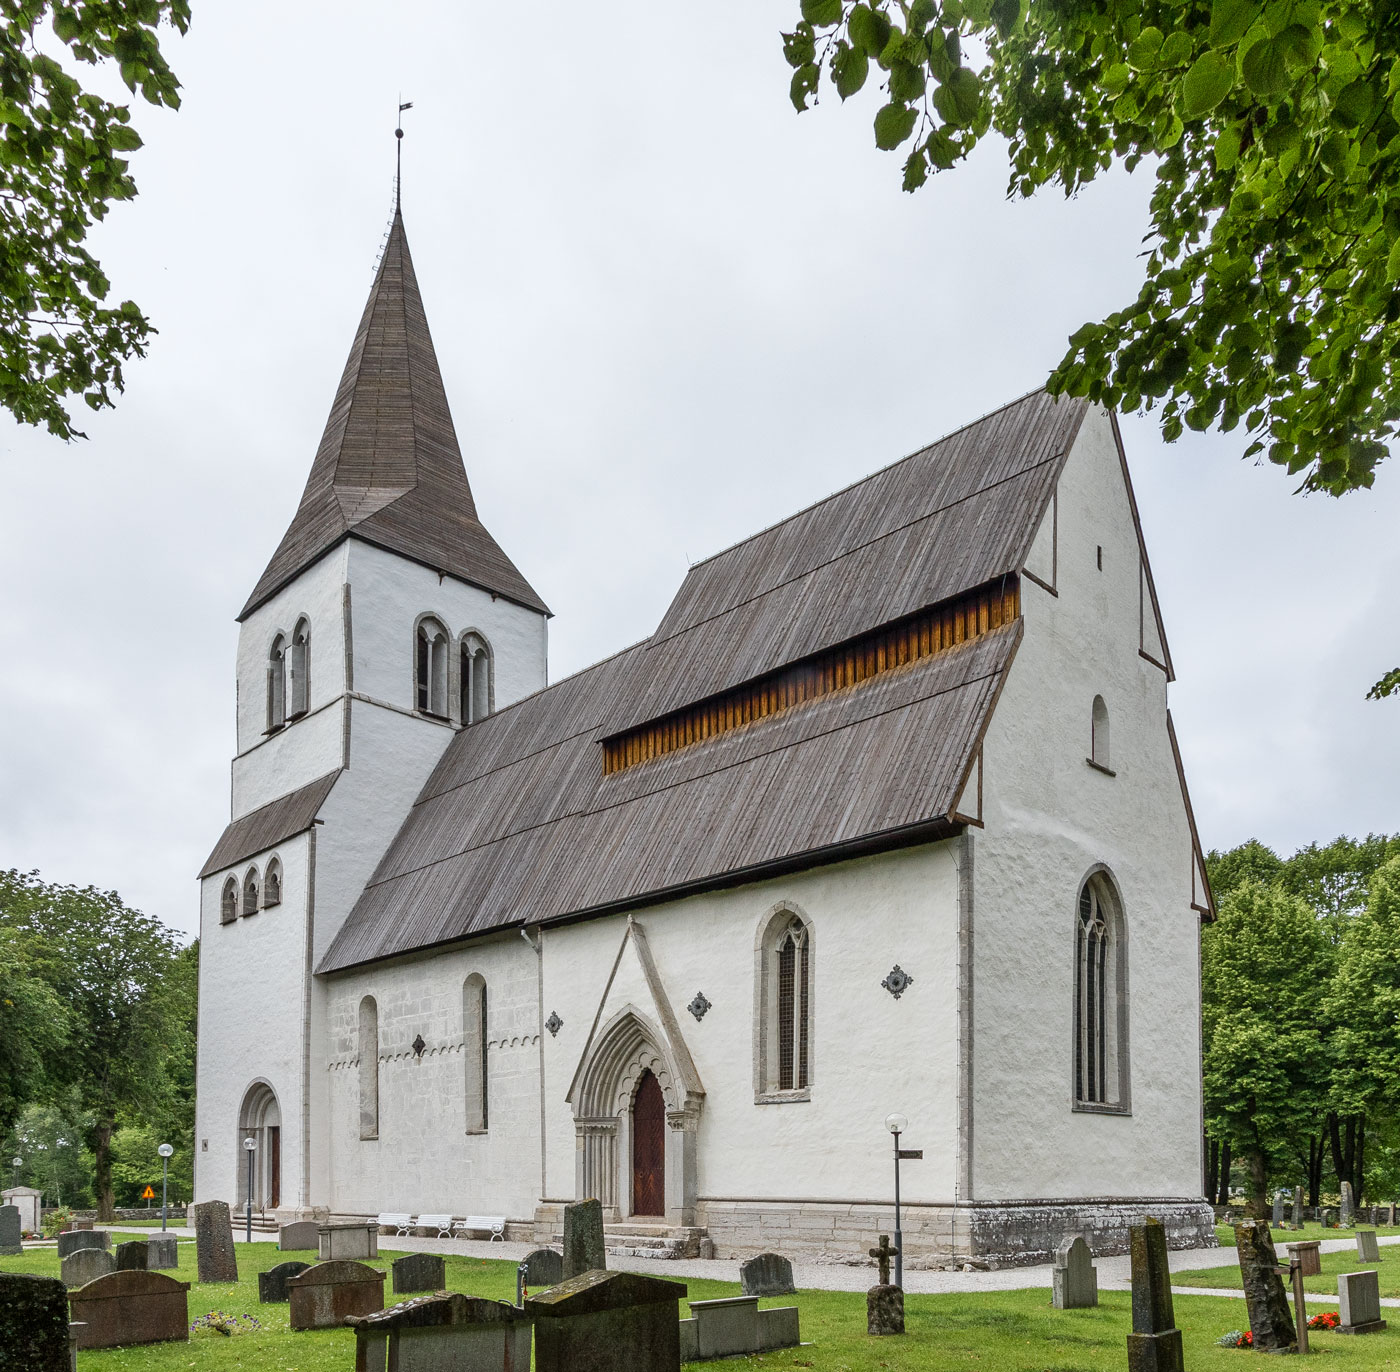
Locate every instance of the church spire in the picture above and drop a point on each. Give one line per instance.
(389, 470)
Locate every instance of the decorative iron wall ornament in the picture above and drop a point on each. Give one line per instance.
(554, 1024)
(699, 1005)
(898, 981)
(418, 1046)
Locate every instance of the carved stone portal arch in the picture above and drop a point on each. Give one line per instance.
(260, 1119)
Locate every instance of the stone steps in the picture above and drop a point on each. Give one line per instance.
(661, 1241)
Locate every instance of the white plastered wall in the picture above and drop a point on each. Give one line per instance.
(1049, 818)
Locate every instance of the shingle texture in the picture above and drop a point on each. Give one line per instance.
(269, 825)
(389, 470)
(519, 824)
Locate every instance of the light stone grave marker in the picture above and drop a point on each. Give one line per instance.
(1155, 1343)
(1277, 1220)
(301, 1237)
(33, 1323)
(1348, 1205)
(1074, 1280)
(1297, 1207)
(734, 1326)
(1367, 1249)
(213, 1238)
(30, 1204)
(162, 1253)
(86, 1265)
(1270, 1319)
(347, 1242)
(128, 1308)
(1359, 1303)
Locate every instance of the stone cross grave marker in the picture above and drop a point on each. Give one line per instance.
(1359, 1303)
(1277, 1219)
(10, 1246)
(272, 1284)
(442, 1331)
(419, 1272)
(602, 1321)
(73, 1239)
(769, 1274)
(324, 1295)
(1074, 1281)
(1297, 1207)
(131, 1307)
(33, 1323)
(1367, 1249)
(1348, 1205)
(1155, 1343)
(884, 1302)
(133, 1256)
(162, 1253)
(1269, 1316)
(86, 1265)
(584, 1247)
(213, 1239)
(884, 1254)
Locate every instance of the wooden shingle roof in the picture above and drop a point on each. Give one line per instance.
(270, 824)
(389, 470)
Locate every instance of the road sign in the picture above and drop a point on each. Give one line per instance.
(148, 1194)
(911, 1153)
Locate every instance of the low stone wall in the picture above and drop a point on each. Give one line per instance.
(125, 1215)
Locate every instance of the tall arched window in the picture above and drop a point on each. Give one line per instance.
(228, 902)
(300, 676)
(1098, 734)
(474, 1051)
(1100, 998)
(430, 668)
(784, 991)
(476, 678)
(250, 891)
(369, 1069)
(277, 683)
(272, 884)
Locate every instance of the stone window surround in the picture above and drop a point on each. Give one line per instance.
(475, 1039)
(1119, 1047)
(765, 1029)
(456, 649)
(288, 675)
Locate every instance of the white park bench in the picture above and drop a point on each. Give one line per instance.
(442, 1223)
(400, 1224)
(495, 1225)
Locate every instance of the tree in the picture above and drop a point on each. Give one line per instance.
(1336, 879)
(61, 168)
(1251, 861)
(34, 1027)
(111, 966)
(1273, 257)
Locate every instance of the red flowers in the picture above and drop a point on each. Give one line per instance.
(1328, 1319)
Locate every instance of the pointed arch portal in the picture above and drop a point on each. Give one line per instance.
(260, 1119)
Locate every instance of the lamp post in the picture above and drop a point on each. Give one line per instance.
(897, 1124)
(250, 1147)
(16, 1163)
(165, 1150)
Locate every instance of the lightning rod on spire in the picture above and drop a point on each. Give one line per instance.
(398, 153)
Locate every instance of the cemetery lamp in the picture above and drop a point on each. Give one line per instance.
(16, 1163)
(250, 1147)
(165, 1150)
(897, 1124)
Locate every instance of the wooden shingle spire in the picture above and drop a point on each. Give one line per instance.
(389, 470)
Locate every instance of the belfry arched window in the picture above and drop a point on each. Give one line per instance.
(1100, 998)
(1098, 734)
(277, 683)
(228, 901)
(251, 891)
(784, 992)
(300, 675)
(476, 683)
(430, 662)
(272, 883)
(369, 1068)
(474, 1043)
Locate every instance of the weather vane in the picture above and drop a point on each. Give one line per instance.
(398, 149)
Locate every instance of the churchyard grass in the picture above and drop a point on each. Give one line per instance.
(1333, 1265)
(1225, 1233)
(1004, 1331)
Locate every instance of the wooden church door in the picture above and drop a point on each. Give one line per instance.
(274, 1166)
(648, 1148)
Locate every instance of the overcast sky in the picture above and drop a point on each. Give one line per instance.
(668, 311)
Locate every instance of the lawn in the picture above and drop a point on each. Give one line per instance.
(1333, 1264)
(1225, 1233)
(1008, 1331)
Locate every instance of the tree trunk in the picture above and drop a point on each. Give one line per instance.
(1343, 1137)
(1222, 1197)
(1257, 1176)
(1212, 1151)
(1359, 1175)
(1316, 1154)
(102, 1165)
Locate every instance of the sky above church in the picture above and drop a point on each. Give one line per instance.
(669, 312)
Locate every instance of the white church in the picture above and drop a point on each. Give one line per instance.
(886, 817)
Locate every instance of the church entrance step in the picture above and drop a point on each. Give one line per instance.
(627, 1240)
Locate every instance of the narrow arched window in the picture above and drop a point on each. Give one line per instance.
(272, 884)
(369, 1069)
(1098, 734)
(1100, 1000)
(250, 891)
(228, 902)
(474, 1042)
(430, 668)
(785, 1005)
(300, 674)
(277, 684)
(477, 686)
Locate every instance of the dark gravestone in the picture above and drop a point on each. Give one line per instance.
(86, 1265)
(33, 1323)
(584, 1248)
(884, 1302)
(419, 1272)
(1276, 1220)
(71, 1240)
(604, 1321)
(1297, 1207)
(323, 1296)
(132, 1257)
(543, 1267)
(1155, 1343)
(1348, 1205)
(446, 1332)
(213, 1242)
(10, 1246)
(1270, 1320)
(769, 1274)
(162, 1253)
(272, 1284)
(301, 1236)
(129, 1308)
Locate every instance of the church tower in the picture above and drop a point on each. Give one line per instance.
(387, 621)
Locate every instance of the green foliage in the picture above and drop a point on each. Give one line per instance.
(1272, 284)
(34, 1027)
(61, 168)
(50, 1139)
(1336, 879)
(1251, 861)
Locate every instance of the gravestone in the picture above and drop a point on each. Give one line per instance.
(603, 1321)
(300, 1237)
(129, 1308)
(1269, 1317)
(734, 1326)
(162, 1253)
(1297, 1207)
(1390, 1216)
(132, 1257)
(584, 1246)
(884, 1302)
(769, 1274)
(10, 1246)
(347, 1242)
(442, 1332)
(86, 1265)
(1359, 1303)
(31, 1207)
(82, 1223)
(420, 1272)
(1309, 1253)
(272, 1284)
(33, 1323)
(323, 1296)
(1277, 1219)
(1367, 1249)
(1348, 1205)
(213, 1242)
(542, 1267)
(1155, 1343)
(71, 1240)
(1076, 1284)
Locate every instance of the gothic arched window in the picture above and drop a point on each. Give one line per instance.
(300, 676)
(228, 902)
(250, 891)
(277, 684)
(430, 667)
(369, 1068)
(474, 1051)
(272, 884)
(1100, 998)
(785, 972)
(1098, 734)
(476, 679)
